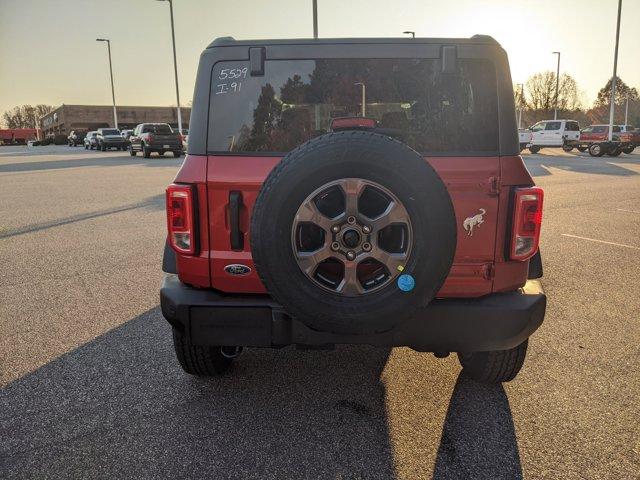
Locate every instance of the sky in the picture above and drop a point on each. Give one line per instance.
(48, 52)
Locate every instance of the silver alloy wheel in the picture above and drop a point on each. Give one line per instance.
(351, 236)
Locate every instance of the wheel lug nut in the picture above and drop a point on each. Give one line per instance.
(351, 220)
(366, 247)
(335, 246)
(366, 229)
(335, 228)
(351, 255)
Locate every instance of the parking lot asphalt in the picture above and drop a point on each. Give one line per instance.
(91, 389)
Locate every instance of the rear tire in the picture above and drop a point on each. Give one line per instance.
(567, 148)
(199, 360)
(628, 149)
(615, 152)
(596, 150)
(534, 148)
(496, 366)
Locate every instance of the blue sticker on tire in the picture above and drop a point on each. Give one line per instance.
(406, 282)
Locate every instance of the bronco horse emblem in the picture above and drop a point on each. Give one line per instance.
(471, 222)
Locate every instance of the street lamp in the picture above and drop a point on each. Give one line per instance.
(626, 111)
(615, 73)
(521, 85)
(175, 64)
(555, 112)
(409, 32)
(315, 18)
(113, 94)
(364, 97)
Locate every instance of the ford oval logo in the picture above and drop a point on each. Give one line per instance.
(237, 269)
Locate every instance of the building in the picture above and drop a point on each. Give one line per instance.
(91, 117)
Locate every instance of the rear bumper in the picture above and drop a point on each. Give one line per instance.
(495, 322)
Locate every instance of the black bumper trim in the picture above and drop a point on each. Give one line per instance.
(495, 322)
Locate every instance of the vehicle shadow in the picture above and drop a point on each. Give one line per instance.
(538, 165)
(119, 406)
(98, 159)
(478, 438)
(153, 203)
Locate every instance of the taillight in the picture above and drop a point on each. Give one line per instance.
(527, 220)
(150, 138)
(180, 222)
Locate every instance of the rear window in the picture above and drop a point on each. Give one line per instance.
(411, 99)
(572, 127)
(161, 129)
(108, 131)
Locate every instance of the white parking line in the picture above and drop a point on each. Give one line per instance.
(601, 241)
(628, 211)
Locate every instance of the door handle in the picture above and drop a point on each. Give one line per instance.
(236, 236)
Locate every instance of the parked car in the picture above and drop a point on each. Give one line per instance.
(287, 225)
(595, 138)
(76, 137)
(91, 140)
(185, 137)
(553, 133)
(110, 138)
(634, 139)
(524, 137)
(155, 137)
(126, 134)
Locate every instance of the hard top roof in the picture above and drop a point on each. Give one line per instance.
(232, 42)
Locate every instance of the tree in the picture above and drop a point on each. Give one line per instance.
(622, 90)
(541, 88)
(25, 116)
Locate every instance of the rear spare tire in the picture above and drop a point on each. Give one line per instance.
(352, 232)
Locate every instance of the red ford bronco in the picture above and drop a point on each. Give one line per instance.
(354, 191)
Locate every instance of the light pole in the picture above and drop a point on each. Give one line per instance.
(521, 85)
(315, 18)
(409, 32)
(364, 97)
(615, 73)
(555, 112)
(175, 65)
(113, 93)
(626, 111)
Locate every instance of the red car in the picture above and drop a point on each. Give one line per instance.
(358, 191)
(595, 139)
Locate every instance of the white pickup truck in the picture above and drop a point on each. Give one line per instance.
(524, 137)
(553, 133)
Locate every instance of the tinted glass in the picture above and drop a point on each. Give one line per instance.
(411, 99)
(553, 125)
(599, 129)
(110, 131)
(572, 126)
(160, 128)
(538, 126)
